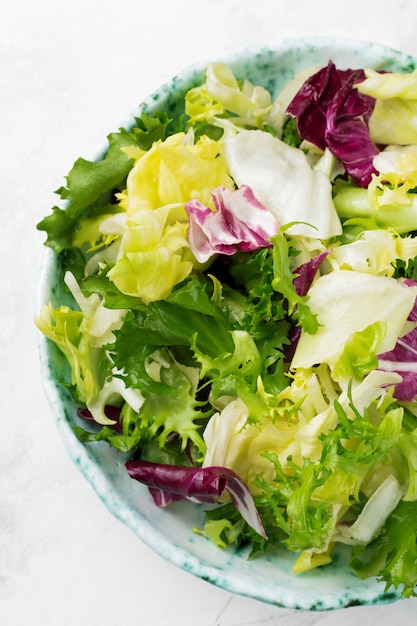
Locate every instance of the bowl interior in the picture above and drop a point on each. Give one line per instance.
(168, 531)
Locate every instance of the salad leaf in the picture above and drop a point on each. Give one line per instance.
(239, 221)
(375, 252)
(112, 297)
(207, 484)
(244, 361)
(393, 119)
(392, 555)
(371, 299)
(173, 321)
(244, 311)
(359, 206)
(403, 359)
(284, 182)
(264, 313)
(221, 101)
(331, 113)
(359, 354)
(151, 255)
(376, 510)
(175, 171)
(64, 327)
(175, 413)
(306, 273)
(91, 184)
(123, 434)
(284, 283)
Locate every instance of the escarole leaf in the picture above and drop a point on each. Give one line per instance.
(282, 179)
(371, 299)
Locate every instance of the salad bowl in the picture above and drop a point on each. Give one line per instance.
(168, 531)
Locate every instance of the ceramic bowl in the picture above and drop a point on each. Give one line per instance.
(168, 531)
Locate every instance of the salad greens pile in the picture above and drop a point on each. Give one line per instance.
(244, 317)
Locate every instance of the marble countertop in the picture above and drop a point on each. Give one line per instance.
(70, 72)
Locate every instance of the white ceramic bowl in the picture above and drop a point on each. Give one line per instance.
(168, 531)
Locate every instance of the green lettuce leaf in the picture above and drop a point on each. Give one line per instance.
(392, 556)
(359, 354)
(112, 297)
(283, 282)
(90, 185)
(223, 101)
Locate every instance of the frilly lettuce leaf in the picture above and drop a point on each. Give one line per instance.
(285, 282)
(307, 491)
(175, 413)
(90, 185)
(64, 327)
(362, 209)
(374, 252)
(175, 171)
(392, 555)
(151, 258)
(224, 102)
(244, 361)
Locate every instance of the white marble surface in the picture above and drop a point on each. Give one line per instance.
(69, 73)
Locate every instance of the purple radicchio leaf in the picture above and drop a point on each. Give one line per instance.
(112, 412)
(168, 483)
(208, 233)
(412, 316)
(332, 114)
(305, 275)
(403, 358)
(239, 222)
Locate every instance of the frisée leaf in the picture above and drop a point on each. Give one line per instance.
(392, 556)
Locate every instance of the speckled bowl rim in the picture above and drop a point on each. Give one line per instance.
(365, 593)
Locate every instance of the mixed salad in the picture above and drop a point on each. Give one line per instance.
(244, 317)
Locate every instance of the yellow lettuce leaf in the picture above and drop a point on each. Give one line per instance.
(175, 171)
(153, 254)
